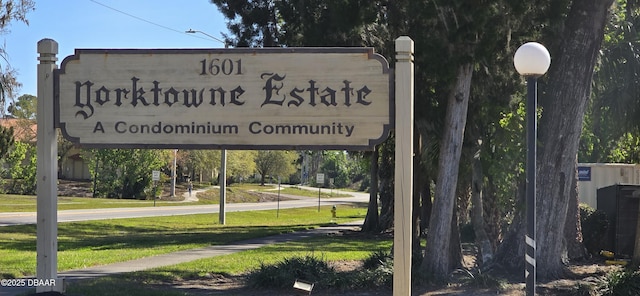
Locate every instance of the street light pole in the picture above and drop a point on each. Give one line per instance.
(530, 239)
(192, 31)
(531, 60)
(222, 214)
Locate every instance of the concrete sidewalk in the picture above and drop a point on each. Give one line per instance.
(186, 256)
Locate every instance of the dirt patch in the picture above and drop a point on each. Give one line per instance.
(74, 188)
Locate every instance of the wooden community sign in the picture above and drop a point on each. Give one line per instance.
(241, 98)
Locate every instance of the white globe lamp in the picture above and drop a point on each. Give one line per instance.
(532, 59)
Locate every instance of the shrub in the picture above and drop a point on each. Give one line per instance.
(376, 259)
(379, 273)
(282, 274)
(594, 228)
(479, 279)
(621, 282)
(379, 276)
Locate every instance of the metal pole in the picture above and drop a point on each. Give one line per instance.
(223, 186)
(318, 198)
(530, 239)
(47, 172)
(278, 208)
(155, 189)
(173, 173)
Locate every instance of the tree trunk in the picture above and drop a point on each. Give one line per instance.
(385, 173)
(483, 243)
(371, 221)
(573, 227)
(566, 98)
(455, 251)
(439, 236)
(492, 213)
(418, 174)
(510, 252)
(427, 204)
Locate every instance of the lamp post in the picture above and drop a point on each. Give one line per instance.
(222, 214)
(192, 31)
(531, 60)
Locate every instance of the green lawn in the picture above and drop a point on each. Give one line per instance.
(236, 193)
(294, 190)
(154, 282)
(329, 248)
(27, 203)
(84, 244)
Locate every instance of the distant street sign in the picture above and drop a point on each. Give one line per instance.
(320, 178)
(155, 176)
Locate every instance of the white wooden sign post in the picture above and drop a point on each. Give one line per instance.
(403, 189)
(242, 98)
(47, 172)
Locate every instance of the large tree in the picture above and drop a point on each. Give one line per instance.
(275, 163)
(9, 11)
(564, 101)
(24, 107)
(459, 48)
(611, 129)
(241, 163)
(124, 173)
(460, 45)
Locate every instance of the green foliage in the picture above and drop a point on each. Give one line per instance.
(241, 163)
(477, 278)
(503, 158)
(267, 23)
(379, 276)
(89, 243)
(275, 163)
(336, 166)
(282, 274)
(25, 107)
(626, 149)
(611, 127)
(326, 23)
(377, 259)
(594, 227)
(620, 283)
(21, 166)
(310, 268)
(200, 162)
(123, 173)
(6, 140)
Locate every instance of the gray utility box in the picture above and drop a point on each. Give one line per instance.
(620, 203)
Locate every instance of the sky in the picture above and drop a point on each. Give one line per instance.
(109, 24)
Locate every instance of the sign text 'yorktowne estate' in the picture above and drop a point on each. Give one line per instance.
(329, 98)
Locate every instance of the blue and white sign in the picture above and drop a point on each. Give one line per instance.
(584, 173)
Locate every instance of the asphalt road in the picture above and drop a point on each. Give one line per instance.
(18, 218)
